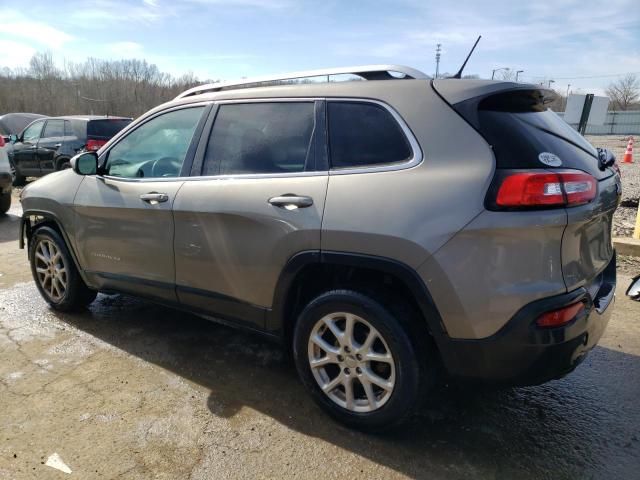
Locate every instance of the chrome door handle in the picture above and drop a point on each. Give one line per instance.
(33, 147)
(57, 145)
(291, 202)
(154, 198)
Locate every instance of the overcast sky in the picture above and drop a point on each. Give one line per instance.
(226, 39)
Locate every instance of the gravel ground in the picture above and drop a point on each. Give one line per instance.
(625, 218)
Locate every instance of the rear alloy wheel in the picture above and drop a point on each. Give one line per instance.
(55, 273)
(359, 361)
(351, 362)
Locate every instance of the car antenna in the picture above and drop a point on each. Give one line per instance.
(459, 74)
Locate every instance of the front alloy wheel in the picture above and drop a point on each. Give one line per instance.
(51, 269)
(351, 362)
(55, 273)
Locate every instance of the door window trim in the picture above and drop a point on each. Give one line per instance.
(191, 150)
(197, 149)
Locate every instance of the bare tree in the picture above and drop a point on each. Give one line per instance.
(121, 87)
(624, 92)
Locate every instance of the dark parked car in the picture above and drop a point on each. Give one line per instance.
(48, 144)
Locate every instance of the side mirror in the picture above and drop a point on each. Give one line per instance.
(85, 163)
(13, 138)
(634, 289)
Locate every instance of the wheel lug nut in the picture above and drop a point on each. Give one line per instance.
(347, 371)
(358, 356)
(340, 358)
(346, 349)
(358, 370)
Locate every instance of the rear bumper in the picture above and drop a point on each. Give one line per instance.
(522, 353)
(5, 182)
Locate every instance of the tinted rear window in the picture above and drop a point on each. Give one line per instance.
(531, 106)
(363, 134)
(107, 128)
(520, 127)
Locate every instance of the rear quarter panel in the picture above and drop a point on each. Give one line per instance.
(407, 215)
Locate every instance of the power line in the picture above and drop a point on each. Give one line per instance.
(585, 77)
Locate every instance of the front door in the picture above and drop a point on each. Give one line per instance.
(24, 150)
(49, 145)
(124, 222)
(258, 202)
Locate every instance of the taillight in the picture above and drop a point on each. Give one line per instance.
(546, 189)
(1, 141)
(560, 317)
(95, 144)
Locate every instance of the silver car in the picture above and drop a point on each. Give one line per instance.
(384, 230)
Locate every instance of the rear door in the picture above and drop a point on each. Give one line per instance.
(124, 224)
(49, 145)
(24, 151)
(256, 201)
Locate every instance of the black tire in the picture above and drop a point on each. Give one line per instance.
(76, 294)
(64, 163)
(18, 180)
(414, 374)
(5, 202)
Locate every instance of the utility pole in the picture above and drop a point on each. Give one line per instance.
(566, 99)
(550, 82)
(438, 50)
(518, 72)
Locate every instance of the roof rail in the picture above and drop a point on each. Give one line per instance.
(368, 72)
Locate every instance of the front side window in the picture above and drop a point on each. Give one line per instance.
(32, 133)
(54, 128)
(157, 148)
(364, 134)
(260, 138)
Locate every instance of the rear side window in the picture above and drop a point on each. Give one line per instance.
(107, 128)
(260, 138)
(54, 128)
(364, 134)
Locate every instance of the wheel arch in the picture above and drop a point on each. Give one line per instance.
(293, 289)
(31, 220)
